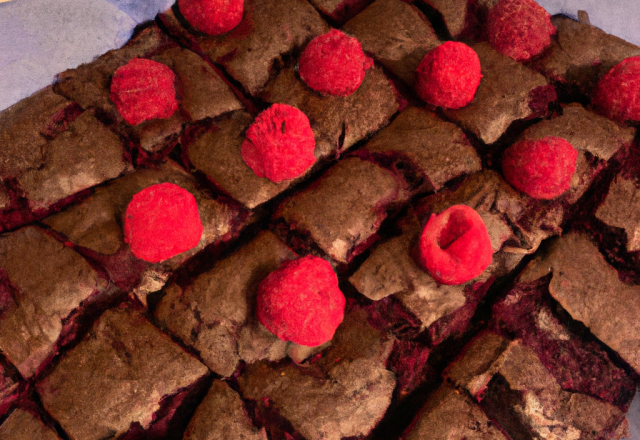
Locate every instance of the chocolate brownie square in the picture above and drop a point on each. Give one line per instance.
(507, 93)
(116, 377)
(214, 314)
(337, 122)
(345, 393)
(450, 414)
(458, 15)
(22, 425)
(50, 150)
(516, 390)
(580, 54)
(396, 34)
(343, 209)
(221, 415)
(201, 92)
(576, 360)
(621, 209)
(268, 31)
(42, 283)
(340, 10)
(423, 147)
(589, 289)
(95, 226)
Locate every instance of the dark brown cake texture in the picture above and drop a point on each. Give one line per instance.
(96, 343)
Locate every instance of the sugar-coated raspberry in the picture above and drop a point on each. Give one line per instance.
(617, 95)
(301, 301)
(143, 90)
(520, 29)
(334, 64)
(455, 246)
(541, 168)
(449, 75)
(279, 144)
(212, 17)
(161, 222)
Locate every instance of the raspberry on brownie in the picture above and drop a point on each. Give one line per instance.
(213, 17)
(616, 94)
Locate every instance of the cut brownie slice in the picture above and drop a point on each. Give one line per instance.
(220, 416)
(340, 10)
(214, 314)
(201, 92)
(450, 414)
(49, 151)
(396, 34)
(516, 390)
(22, 425)
(116, 377)
(423, 148)
(269, 30)
(343, 394)
(508, 92)
(338, 122)
(574, 358)
(458, 15)
(344, 208)
(42, 283)
(581, 54)
(590, 291)
(95, 226)
(621, 209)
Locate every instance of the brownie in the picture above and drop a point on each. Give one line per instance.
(396, 34)
(22, 425)
(445, 310)
(214, 314)
(117, 376)
(423, 147)
(621, 209)
(9, 388)
(449, 414)
(220, 416)
(457, 15)
(250, 52)
(589, 289)
(50, 150)
(580, 54)
(42, 283)
(577, 361)
(508, 92)
(344, 208)
(340, 10)
(201, 91)
(337, 122)
(517, 391)
(343, 394)
(95, 226)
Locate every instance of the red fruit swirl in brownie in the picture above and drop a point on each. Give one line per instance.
(542, 168)
(213, 17)
(279, 144)
(143, 90)
(449, 75)
(455, 246)
(161, 222)
(301, 301)
(617, 95)
(520, 29)
(334, 63)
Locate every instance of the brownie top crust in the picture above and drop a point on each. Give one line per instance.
(116, 376)
(396, 34)
(43, 281)
(589, 289)
(621, 209)
(22, 425)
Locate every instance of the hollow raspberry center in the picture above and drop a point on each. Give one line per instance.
(457, 225)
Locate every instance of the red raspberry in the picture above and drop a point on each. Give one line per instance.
(455, 246)
(301, 301)
(279, 144)
(144, 89)
(212, 17)
(334, 64)
(617, 95)
(161, 222)
(542, 168)
(520, 29)
(449, 75)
